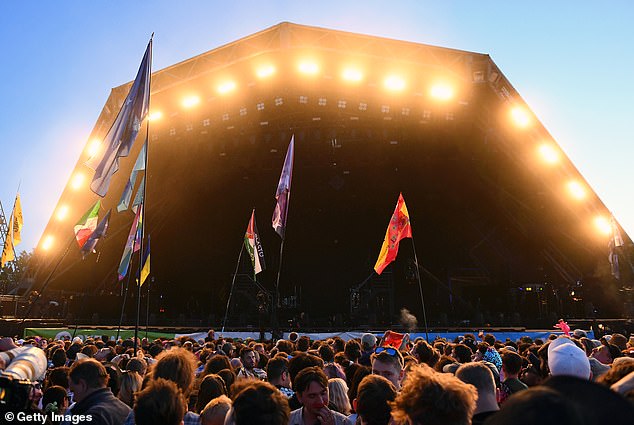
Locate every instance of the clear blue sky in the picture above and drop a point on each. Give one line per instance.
(573, 62)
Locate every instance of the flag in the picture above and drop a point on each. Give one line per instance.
(99, 232)
(8, 251)
(131, 245)
(253, 245)
(394, 340)
(399, 228)
(18, 221)
(87, 224)
(283, 192)
(145, 270)
(139, 165)
(120, 138)
(138, 198)
(14, 233)
(615, 241)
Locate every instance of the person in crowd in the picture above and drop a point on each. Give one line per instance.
(480, 376)
(338, 395)
(212, 386)
(432, 398)
(462, 354)
(566, 358)
(372, 404)
(537, 405)
(249, 362)
(229, 377)
(55, 400)
(352, 350)
(161, 402)
(278, 375)
(388, 362)
(311, 387)
(511, 368)
(368, 345)
(89, 385)
(425, 353)
(215, 411)
(130, 383)
(177, 365)
(257, 403)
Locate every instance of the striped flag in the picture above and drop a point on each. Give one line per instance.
(99, 232)
(283, 192)
(121, 136)
(132, 245)
(253, 245)
(87, 224)
(145, 270)
(139, 165)
(399, 228)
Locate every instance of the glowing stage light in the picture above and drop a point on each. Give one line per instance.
(155, 115)
(190, 101)
(520, 117)
(265, 71)
(352, 75)
(308, 67)
(77, 181)
(62, 212)
(603, 225)
(394, 83)
(47, 242)
(548, 153)
(577, 190)
(93, 147)
(226, 87)
(442, 92)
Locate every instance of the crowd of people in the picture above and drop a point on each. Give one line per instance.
(297, 381)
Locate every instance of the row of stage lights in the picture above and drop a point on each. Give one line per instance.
(440, 91)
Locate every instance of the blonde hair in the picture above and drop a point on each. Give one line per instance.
(338, 395)
(131, 382)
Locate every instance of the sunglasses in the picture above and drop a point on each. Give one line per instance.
(389, 350)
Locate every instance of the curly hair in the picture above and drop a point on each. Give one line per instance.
(433, 398)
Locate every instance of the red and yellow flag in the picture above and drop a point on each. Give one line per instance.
(398, 229)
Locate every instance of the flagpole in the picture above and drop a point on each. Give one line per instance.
(420, 287)
(142, 206)
(233, 281)
(48, 280)
(147, 307)
(125, 298)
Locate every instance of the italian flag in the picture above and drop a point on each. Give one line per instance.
(87, 224)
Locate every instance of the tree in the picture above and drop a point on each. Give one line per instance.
(12, 273)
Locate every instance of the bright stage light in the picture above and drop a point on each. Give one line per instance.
(77, 181)
(190, 101)
(548, 153)
(352, 75)
(62, 212)
(442, 92)
(47, 242)
(577, 190)
(308, 67)
(226, 87)
(94, 146)
(520, 117)
(394, 83)
(155, 115)
(265, 71)
(603, 225)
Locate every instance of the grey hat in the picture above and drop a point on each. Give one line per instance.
(368, 340)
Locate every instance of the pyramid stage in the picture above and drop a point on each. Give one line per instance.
(498, 237)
